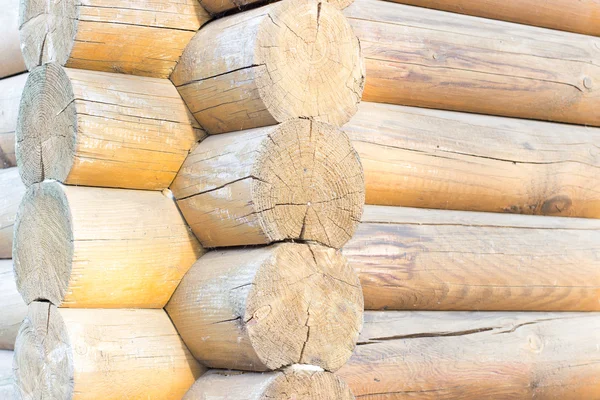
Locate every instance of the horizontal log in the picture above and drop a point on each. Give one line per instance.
(297, 382)
(11, 193)
(298, 180)
(96, 247)
(417, 157)
(101, 354)
(434, 59)
(7, 384)
(294, 58)
(132, 37)
(13, 308)
(581, 16)
(218, 7)
(12, 62)
(409, 258)
(10, 95)
(461, 355)
(101, 129)
(263, 308)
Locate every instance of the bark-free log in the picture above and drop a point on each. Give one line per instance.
(13, 306)
(129, 36)
(298, 180)
(101, 354)
(263, 308)
(298, 382)
(96, 247)
(11, 193)
(435, 59)
(7, 386)
(409, 258)
(295, 58)
(10, 94)
(416, 157)
(101, 129)
(12, 61)
(216, 7)
(462, 355)
(582, 16)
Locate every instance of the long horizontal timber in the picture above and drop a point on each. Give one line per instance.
(218, 7)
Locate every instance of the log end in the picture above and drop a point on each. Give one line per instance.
(46, 131)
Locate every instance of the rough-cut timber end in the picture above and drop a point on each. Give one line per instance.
(46, 131)
(43, 244)
(216, 7)
(43, 360)
(297, 382)
(47, 30)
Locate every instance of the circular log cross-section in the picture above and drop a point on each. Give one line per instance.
(297, 180)
(295, 58)
(297, 382)
(264, 308)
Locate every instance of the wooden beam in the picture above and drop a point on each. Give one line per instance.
(450, 260)
(11, 193)
(264, 308)
(7, 384)
(297, 180)
(298, 382)
(216, 7)
(291, 59)
(417, 157)
(132, 37)
(13, 307)
(10, 95)
(12, 62)
(97, 247)
(470, 355)
(428, 58)
(581, 16)
(101, 129)
(101, 354)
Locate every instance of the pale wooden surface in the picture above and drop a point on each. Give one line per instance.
(128, 36)
(7, 384)
(417, 157)
(11, 61)
(101, 129)
(297, 180)
(11, 193)
(101, 354)
(13, 307)
(420, 57)
(469, 355)
(295, 58)
(582, 16)
(10, 95)
(98, 247)
(216, 7)
(263, 308)
(296, 383)
(409, 258)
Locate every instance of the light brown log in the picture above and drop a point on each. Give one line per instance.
(216, 7)
(294, 58)
(461, 355)
(10, 95)
(298, 180)
(128, 36)
(582, 16)
(12, 62)
(96, 247)
(101, 354)
(417, 157)
(11, 192)
(434, 59)
(101, 129)
(409, 258)
(7, 384)
(13, 308)
(264, 308)
(297, 382)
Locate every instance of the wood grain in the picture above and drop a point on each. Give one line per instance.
(13, 307)
(7, 384)
(11, 193)
(216, 7)
(10, 95)
(12, 62)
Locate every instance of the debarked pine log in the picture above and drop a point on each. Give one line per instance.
(298, 382)
(11, 61)
(417, 157)
(11, 193)
(101, 354)
(217, 7)
(476, 355)
(127, 36)
(10, 95)
(13, 307)
(428, 58)
(101, 129)
(294, 58)
(409, 258)
(7, 382)
(297, 180)
(97, 247)
(264, 308)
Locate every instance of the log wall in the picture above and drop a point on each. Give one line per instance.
(12, 62)
(11, 193)
(10, 95)
(13, 306)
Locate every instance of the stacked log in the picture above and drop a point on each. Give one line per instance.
(12, 60)
(10, 197)
(10, 94)
(13, 306)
